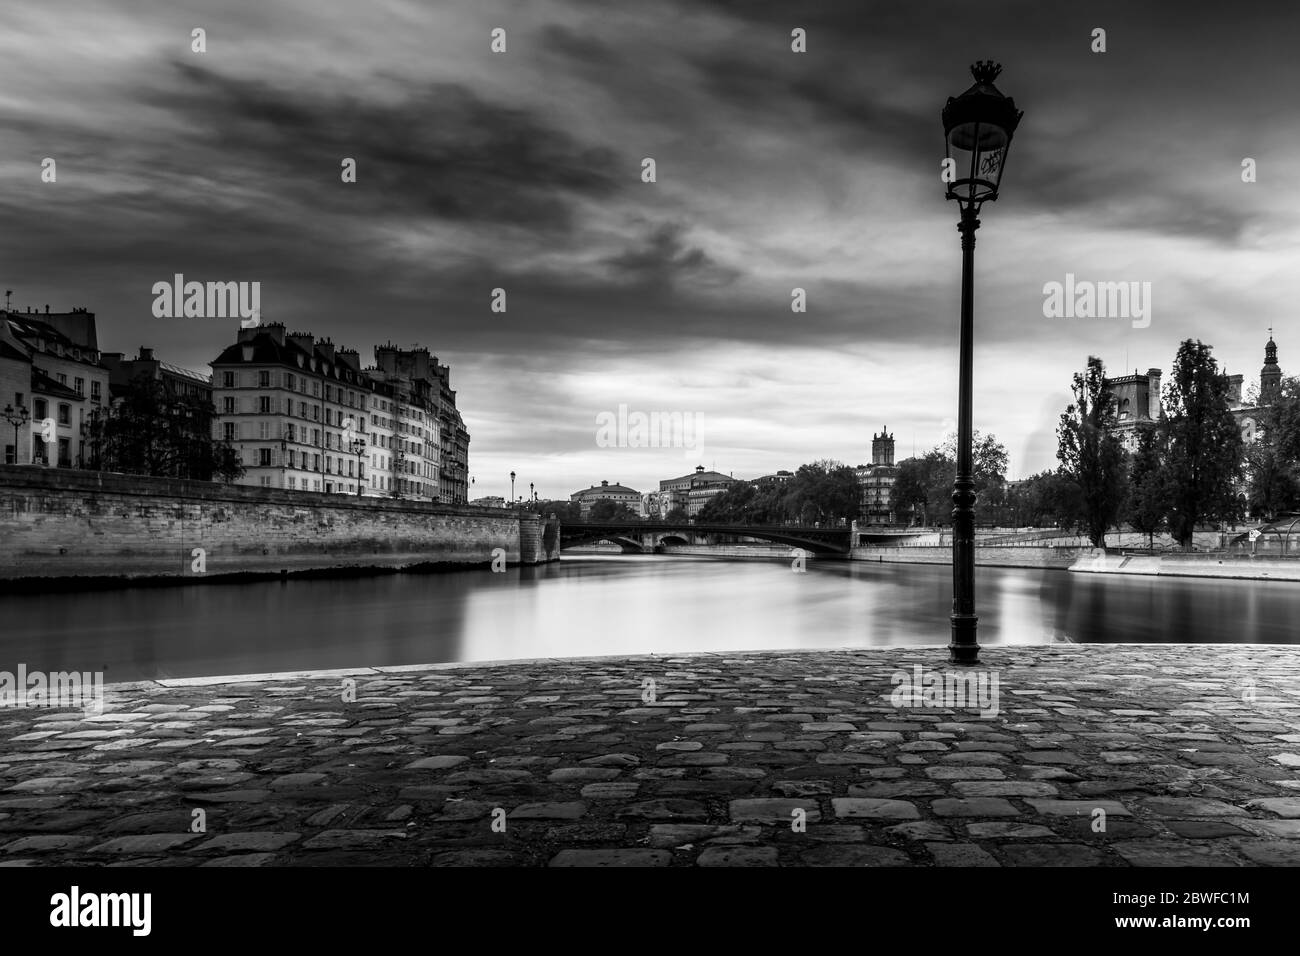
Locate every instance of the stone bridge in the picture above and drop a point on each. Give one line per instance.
(640, 536)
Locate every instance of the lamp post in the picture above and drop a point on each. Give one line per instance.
(531, 493)
(977, 126)
(512, 488)
(359, 449)
(16, 418)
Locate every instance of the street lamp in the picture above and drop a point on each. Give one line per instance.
(531, 494)
(359, 449)
(977, 127)
(20, 417)
(512, 487)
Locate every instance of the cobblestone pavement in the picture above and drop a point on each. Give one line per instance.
(799, 758)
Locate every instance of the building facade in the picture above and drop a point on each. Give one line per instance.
(304, 415)
(693, 491)
(876, 480)
(619, 494)
(50, 368)
(1137, 399)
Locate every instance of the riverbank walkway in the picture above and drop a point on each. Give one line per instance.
(1097, 755)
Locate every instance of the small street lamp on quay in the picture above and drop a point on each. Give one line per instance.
(512, 487)
(16, 419)
(977, 127)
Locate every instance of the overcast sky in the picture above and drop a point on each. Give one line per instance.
(775, 170)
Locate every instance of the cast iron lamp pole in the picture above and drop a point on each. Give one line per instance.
(512, 489)
(977, 126)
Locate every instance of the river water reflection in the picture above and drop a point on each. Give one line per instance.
(611, 604)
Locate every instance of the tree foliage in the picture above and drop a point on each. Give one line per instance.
(1203, 461)
(148, 430)
(1090, 453)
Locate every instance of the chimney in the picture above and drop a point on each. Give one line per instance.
(47, 308)
(304, 341)
(604, 484)
(146, 355)
(1153, 377)
(326, 348)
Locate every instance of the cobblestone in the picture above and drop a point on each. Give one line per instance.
(744, 759)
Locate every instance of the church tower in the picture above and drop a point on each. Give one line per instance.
(882, 448)
(1270, 376)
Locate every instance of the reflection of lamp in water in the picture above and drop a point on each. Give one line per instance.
(977, 127)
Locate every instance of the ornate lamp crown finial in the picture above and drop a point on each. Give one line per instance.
(985, 71)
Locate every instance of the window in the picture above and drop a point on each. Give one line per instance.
(264, 430)
(288, 380)
(264, 404)
(65, 461)
(228, 406)
(329, 416)
(288, 406)
(293, 483)
(316, 484)
(315, 412)
(227, 379)
(65, 413)
(315, 389)
(289, 432)
(63, 379)
(11, 456)
(329, 465)
(266, 481)
(315, 436)
(264, 379)
(302, 409)
(80, 385)
(228, 431)
(315, 464)
(264, 457)
(40, 409)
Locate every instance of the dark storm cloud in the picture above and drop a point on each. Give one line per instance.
(441, 150)
(663, 259)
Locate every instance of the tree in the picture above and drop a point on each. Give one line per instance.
(1147, 494)
(677, 515)
(1046, 499)
(151, 431)
(1090, 453)
(925, 484)
(822, 491)
(607, 510)
(564, 509)
(1272, 462)
(1204, 457)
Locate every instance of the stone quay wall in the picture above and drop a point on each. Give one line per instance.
(1246, 567)
(67, 524)
(995, 557)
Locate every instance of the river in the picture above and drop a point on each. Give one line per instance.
(611, 604)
